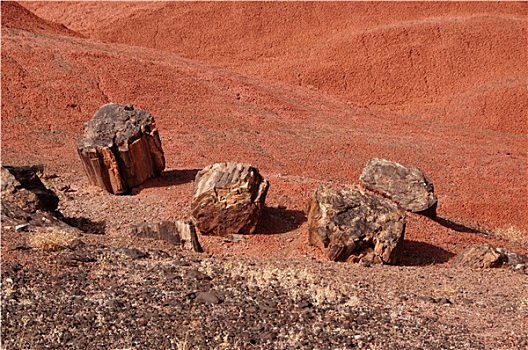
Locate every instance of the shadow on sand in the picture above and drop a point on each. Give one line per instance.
(275, 220)
(86, 225)
(171, 178)
(415, 253)
(456, 226)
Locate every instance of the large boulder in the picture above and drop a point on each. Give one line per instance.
(354, 225)
(409, 187)
(179, 232)
(228, 199)
(121, 148)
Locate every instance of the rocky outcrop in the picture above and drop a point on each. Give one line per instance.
(488, 256)
(175, 232)
(121, 148)
(354, 225)
(409, 187)
(22, 186)
(27, 204)
(228, 199)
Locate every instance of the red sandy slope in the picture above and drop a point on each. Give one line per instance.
(461, 63)
(297, 136)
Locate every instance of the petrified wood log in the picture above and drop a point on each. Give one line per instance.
(354, 225)
(176, 232)
(121, 148)
(228, 199)
(409, 187)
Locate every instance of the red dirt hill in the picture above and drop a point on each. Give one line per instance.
(16, 16)
(457, 63)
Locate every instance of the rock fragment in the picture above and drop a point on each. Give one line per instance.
(27, 204)
(121, 148)
(22, 186)
(228, 199)
(176, 232)
(488, 256)
(354, 225)
(409, 187)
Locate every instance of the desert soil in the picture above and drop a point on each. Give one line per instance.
(306, 92)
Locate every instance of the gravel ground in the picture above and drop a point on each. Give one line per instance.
(154, 296)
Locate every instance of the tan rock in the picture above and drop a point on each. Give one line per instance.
(228, 199)
(176, 232)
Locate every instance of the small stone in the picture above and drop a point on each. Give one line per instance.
(207, 298)
(22, 246)
(132, 253)
(480, 256)
(268, 336)
(179, 232)
(22, 227)
(82, 257)
(442, 301)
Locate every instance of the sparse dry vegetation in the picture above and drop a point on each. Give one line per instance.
(52, 240)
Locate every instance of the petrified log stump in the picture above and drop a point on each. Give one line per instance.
(354, 225)
(228, 199)
(409, 187)
(121, 148)
(176, 232)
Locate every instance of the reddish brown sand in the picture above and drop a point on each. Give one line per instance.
(306, 92)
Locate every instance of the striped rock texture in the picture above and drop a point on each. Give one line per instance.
(228, 199)
(121, 148)
(176, 232)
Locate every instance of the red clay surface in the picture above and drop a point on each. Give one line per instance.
(306, 92)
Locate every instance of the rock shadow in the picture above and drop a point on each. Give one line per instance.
(170, 178)
(456, 226)
(275, 220)
(416, 253)
(86, 225)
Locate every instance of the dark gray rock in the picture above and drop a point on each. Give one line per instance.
(22, 186)
(355, 225)
(409, 187)
(121, 148)
(27, 204)
(228, 199)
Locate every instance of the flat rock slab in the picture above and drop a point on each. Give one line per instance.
(175, 232)
(121, 148)
(354, 225)
(228, 199)
(409, 187)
